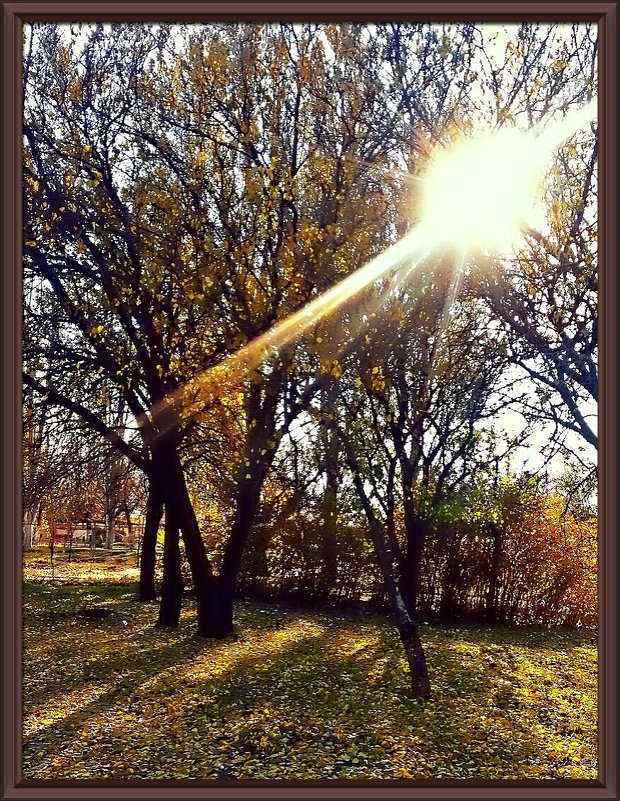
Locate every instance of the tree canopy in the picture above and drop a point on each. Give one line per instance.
(188, 188)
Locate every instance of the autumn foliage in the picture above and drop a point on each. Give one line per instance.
(189, 189)
(532, 562)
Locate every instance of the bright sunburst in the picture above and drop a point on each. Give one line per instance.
(482, 192)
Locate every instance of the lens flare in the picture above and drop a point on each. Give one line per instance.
(552, 135)
(223, 377)
(484, 191)
(479, 194)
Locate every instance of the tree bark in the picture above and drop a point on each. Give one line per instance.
(248, 500)
(90, 534)
(172, 584)
(167, 470)
(154, 510)
(261, 447)
(410, 638)
(390, 564)
(406, 622)
(415, 534)
(109, 531)
(129, 524)
(176, 497)
(452, 578)
(492, 599)
(28, 531)
(329, 544)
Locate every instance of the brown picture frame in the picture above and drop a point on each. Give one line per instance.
(605, 14)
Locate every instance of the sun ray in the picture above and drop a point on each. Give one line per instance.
(452, 294)
(234, 368)
(476, 195)
(378, 303)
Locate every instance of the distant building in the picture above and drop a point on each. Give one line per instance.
(80, 532)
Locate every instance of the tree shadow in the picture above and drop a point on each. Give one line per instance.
(141, 667)
(291, 696)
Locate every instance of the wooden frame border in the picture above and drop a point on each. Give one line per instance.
(606, 16)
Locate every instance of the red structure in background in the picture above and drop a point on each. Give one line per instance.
(92, 533)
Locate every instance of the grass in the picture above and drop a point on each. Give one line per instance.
(291, 696)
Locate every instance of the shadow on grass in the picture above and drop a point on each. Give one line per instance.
(328, 693)
(146, 657)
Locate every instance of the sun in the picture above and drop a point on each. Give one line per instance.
(482, 192)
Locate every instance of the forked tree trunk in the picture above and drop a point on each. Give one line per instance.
(169, 480)
(172, 583)
(406, 621)
(214, 598)
(176, 497)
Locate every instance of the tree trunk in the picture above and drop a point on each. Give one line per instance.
(330, 497)
(330, 530)
(410, 638)
(405, 619)
(259, 566)
(415, 533)
(406, 624)
(492, 599)
(329, 547)
(248, 500)
(154, 509)
(172, 584)
(167, 472)
(261, 447)
(176, 497)
(90, 534)
(130, 541)
(28, 531)
(452, 578)
(392, 565)
(109, 531)
(214, 599)
(407, 629)
(70, 532)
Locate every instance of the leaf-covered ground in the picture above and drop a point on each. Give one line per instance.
(292, 696)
